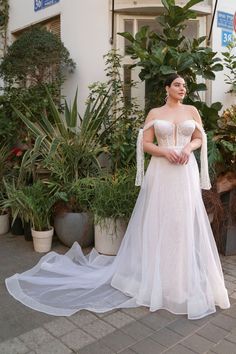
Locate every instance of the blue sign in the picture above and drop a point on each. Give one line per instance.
(226, 38)
(225, 20)
(41, 4)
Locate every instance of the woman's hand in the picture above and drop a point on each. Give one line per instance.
(184, 155)
(171, 155)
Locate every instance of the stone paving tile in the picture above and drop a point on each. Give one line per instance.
(77, 339)
(233, 295)
(104, 314)
(83, 317)
(137, 330)
(166, 337)
(96, 348)
(155, 321)
(137, 312)
(59, 327)
(183, 326)
(168, 315)
(231, 337)
(98, 328)
(127, 351)
(225, 322)
(147, 346)
(229, 278)
(13, 346)
(197, 343)
(53, 347)
(224, 347)
(231, 311)
(212, 332)
(118, 341)
(118, 319)
(179, 349)
(230, 285)
(36, 337)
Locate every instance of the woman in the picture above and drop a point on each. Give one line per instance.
(168, 258)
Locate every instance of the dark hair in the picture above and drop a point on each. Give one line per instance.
(171, 78)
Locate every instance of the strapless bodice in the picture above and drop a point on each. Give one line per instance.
(170, 134)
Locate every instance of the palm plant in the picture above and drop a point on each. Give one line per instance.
(68, 145)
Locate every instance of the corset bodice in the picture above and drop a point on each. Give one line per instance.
(170, 134)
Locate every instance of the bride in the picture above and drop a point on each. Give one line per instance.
(168, 258)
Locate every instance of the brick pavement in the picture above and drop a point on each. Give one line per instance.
(126, 331)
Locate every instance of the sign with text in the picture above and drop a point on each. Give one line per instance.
(41, 4)
(226, 38)
(225, 20)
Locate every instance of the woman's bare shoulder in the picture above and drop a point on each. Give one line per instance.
(154, 113)
(194, 112)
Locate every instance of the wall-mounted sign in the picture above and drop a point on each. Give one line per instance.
(226, 37)
(234, 21)
(225, 20)
(41, 4)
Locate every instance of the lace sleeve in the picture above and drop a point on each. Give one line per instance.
(139, 159)
(140, 155)
(204, 171)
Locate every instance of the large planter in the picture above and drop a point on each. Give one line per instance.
(74, 227)
(17, 227)
(42, 240)
(4, 224)
(108, 235)
(229, 226)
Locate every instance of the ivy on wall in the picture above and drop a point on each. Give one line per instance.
(4, 17)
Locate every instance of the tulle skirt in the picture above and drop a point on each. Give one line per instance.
(167, 260)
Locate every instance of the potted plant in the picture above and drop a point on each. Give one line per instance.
(67, 148)
(112, 201)
(34, 204)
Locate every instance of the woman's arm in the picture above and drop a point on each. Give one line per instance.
(196, 139)
(153, 149)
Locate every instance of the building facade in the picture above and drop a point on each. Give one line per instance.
(89, 30)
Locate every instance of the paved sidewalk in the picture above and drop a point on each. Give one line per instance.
(127, 331)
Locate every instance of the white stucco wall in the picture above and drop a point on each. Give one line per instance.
(219, 88)
(85, 31)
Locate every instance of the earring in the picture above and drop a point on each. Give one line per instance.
(167, 95)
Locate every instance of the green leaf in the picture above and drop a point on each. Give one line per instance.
(190, 4)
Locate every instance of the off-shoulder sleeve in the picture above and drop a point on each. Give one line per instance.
(140, 155)
(204, 171)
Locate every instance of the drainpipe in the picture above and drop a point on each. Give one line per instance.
(212, 21)
(112, 22)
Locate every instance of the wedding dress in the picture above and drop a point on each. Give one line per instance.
(167, 260)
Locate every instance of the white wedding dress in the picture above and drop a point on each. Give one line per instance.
(167, 260)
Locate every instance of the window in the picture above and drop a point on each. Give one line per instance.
(132, 24)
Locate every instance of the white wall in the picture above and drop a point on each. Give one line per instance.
(85, 31)
(219, 88)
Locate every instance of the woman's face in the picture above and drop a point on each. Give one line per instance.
(177, 89)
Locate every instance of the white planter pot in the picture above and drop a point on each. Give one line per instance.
(108, 235)
(42, 240)
(4, 224)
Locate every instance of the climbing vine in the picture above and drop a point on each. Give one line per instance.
(4, 17)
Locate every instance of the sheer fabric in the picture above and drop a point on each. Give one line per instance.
(168, 257)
